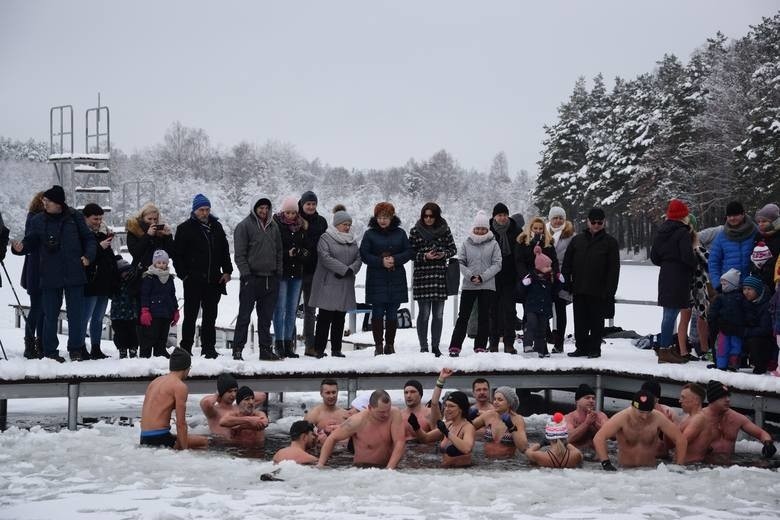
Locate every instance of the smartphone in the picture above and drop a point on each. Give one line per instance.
(159, 226)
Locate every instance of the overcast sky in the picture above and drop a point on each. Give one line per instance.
(356, 83)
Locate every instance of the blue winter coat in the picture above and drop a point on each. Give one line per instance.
(159, 297)
(383, 285)
(60, 240)
(726, 254)
(727, 313)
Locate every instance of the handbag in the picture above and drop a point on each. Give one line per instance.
(452, 278)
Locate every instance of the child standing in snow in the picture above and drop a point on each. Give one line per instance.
(540, 287)
(727, 321)
(159, 308)
(124, 310)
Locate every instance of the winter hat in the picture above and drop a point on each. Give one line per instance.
(676, 210)
(298, 428)
(262, 202)
(55, 194)
(122, 265)
(500, 208)
(769, 212)
(200, 201)
(416, 384)
(582, 391)
(596, 214)
(556, 211)
(541, 261)
(755, 283)
(510, 395)
(556, 427)
(460, 399)
(180, 360)
(289, 203)
(225, 383)
(160, 256)
(643, 401)
(92, 209)
(730, 280)
(652, 386)
(716, 390)
(480, 220)
(308, 196)
(734, 208)
(384, 208)
(243, 393)
(761, 254)
(340, 215)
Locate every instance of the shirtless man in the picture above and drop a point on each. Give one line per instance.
(720, 425)
(377, 433)
(664, 445)
(694, 424)
(245, 424)
(164, 395)
(413, 392)
(584, 422)
(480, 389)
(691, 402)
(636, 429)
(327, 416)
(216, 406)
(302, 439)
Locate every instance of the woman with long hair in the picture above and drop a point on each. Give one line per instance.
(31, 282)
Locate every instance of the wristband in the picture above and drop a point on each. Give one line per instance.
(439, 383)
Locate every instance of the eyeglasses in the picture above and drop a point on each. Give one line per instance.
(597, 222)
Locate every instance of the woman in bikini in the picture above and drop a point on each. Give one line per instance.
(504, 427)
(560, 454)
(455, 433)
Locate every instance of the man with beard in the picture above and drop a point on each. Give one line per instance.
(413, 393)
(302, 439)
(245, 424)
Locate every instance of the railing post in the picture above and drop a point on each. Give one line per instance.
(73, 404)
(758, 410)
(3, 414)
(351, 390)
(599, 393)
(352, 322)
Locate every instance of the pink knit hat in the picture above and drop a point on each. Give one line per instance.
(289, 203)
(542, 261)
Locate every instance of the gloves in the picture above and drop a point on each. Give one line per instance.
(507, 418)
(606, 465)
(443, 428)
(527, 280)
(413, 422)
(146, 317)
(769, 450)
(175, 318)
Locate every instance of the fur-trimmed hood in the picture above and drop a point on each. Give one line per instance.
(136, 227)
(566, 232)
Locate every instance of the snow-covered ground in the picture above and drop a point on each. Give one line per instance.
(100, 473)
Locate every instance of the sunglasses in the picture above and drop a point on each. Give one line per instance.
(597, 222)
(428, 215)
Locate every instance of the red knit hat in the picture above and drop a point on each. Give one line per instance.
(677, 210)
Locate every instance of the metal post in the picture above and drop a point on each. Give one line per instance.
(411, 303)
(547, 398)
(3, 414)
(599, 393)
(73, 404)
(352, 322)
(351, 391)
(455, 304)
(758, 411)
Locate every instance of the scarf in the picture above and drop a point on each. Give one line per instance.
(338, 236)
(501, 230)
(162, 274)
(432, 233)
(478, 239)
(293, 225)
(741, 232)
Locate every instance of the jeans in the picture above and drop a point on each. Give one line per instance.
(667, 327)
(260, 293)
(388, 311)
(309, 313)
(425, 308)
(33, 327)
(286, 306)
(52, 301)
(94, 311)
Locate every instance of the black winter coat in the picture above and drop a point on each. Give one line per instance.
(142, 246)
(383, 285)
(508, 274)
(293, 265)
(317, 226)
(727, 313)
(201, 251)
(539, 295)
(673, 251)
(592, 265)
(158, 297)
(758, 318)
(102, 274)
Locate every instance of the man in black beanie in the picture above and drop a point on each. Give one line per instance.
(307, 208)
(216, 406)
(245, 424)
(591, 268)
(502, 308)
(585, 421)
(733, 245)
(164, 395)
(413, 392)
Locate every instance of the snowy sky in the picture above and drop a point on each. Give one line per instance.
(359, 84)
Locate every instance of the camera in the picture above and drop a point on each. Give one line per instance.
(52, 244)
(158, 227)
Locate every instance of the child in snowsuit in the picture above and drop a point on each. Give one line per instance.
(540, 287)
(727, 320)
(124, 310)
(159, 308)
(758, 340)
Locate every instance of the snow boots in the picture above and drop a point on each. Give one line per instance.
(377, 329)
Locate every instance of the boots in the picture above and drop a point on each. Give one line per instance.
(509, 348)
(161, 351)
(122, 353)
(279, 348)
(436, 351)
(84, 354)
(377, 329)
(39, 348)
(493, 344)
(669, 355)
(29, 348)
(237, 353)
(209, 353)
(557, 342)
(132, 352)
(96, 353)
(289, 349)
(310, 351)
(390, 328)
(266, 354)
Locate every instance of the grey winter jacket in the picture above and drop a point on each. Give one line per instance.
(484, 260)
(334, 258)
(258, 250)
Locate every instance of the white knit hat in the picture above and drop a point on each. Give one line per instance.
(481, 220)
(556, 211)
